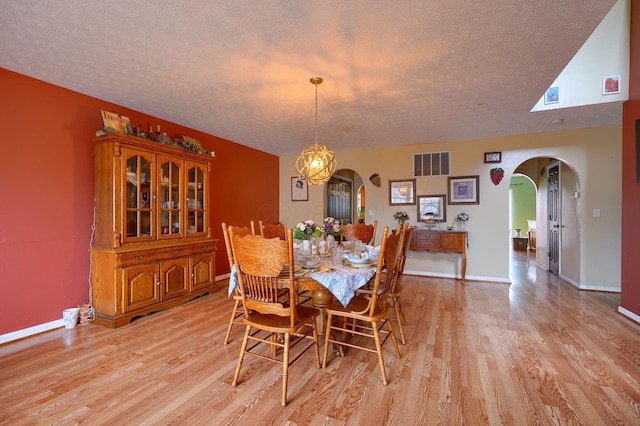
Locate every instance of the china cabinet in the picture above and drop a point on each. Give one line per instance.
(152, 247)
(433, 241)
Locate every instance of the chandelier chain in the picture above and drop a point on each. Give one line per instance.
(316, 164)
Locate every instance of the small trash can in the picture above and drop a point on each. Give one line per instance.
(70, 317)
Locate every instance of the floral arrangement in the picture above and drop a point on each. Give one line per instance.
(307, 229)
(401, 216)
(332, 227)
(462, 217)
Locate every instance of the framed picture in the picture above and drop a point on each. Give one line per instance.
(552, 95)
(402, 192)
(611, 85)
(492, 157)
(299, 189)
(432, 208)
(464, 190)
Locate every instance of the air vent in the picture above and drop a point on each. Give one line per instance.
(432, 164)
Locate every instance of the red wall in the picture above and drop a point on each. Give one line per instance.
(630, 299)
(46, 195)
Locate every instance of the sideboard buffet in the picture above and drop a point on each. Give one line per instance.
(152, 246)
(435, 241)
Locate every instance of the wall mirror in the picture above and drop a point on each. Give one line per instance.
(432, 208)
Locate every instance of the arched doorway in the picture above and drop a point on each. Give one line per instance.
(557, 226)
(345, 196)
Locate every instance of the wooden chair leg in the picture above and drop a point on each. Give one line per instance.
(393, 338)
(398, 308)
(285, 369)
(274, 348)
(376, 338)
(327, 337)
(231, 320)
(402, 317)
(314, 325)
(243, 349)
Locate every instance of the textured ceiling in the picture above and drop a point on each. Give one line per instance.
(395, 72)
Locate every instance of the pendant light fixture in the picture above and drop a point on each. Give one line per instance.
(316, 163)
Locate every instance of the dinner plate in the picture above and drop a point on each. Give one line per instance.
(359, 265)
(357, 260)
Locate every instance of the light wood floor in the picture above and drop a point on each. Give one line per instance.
(535, 352)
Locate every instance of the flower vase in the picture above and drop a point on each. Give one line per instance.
(461, 225)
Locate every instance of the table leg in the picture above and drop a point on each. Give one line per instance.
(321, 299)
(464, 268)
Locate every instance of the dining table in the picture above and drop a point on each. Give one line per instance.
(326, 280)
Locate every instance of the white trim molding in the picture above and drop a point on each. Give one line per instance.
(26, 332)
(629, 314)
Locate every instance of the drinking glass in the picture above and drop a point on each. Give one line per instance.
(337, 255)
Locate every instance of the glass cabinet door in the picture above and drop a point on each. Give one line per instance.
(196, 191)
(138, 195)
(170, 197)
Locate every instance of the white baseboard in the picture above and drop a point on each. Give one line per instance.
(569, 280)
(600, 288)
(26, 332)
(455, 277)
(590, 287)
(629, 314)
(37, 329)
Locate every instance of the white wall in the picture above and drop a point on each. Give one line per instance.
(604, 54)
(594, 154)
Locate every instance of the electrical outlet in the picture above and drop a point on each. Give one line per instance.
(596, 212)
(372, 212)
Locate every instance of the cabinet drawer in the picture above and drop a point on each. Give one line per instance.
(426, 236)
(426, 244)
(426, 240)
(136, 257)
(173, 252)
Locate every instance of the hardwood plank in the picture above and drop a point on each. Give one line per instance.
(536, 352)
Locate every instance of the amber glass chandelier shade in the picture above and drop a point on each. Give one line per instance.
(316, 164)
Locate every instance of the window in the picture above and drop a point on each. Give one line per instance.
(432, 164)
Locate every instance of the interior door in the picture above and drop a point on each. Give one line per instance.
(339, 194)
(553, 179)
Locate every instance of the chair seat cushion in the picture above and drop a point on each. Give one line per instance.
(303, 315)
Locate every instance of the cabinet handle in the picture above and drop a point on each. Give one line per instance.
(205, 247)
(139, 257)
(157, 283)
(176, 252)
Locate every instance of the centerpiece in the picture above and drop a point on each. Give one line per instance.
(307, 230)
(332, 227)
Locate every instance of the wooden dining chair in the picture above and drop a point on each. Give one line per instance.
(260, 263)
(273, 230)
(362, 231)
(367, 314)
(236, 315)
(394, 295)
